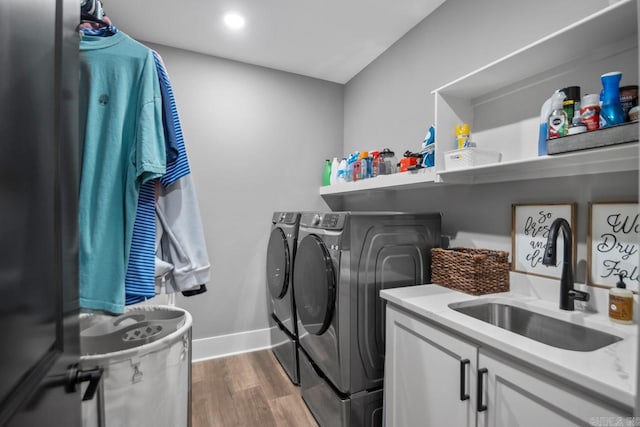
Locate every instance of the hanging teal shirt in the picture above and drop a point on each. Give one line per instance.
(123, 148)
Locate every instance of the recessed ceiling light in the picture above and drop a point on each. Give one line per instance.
(234, 21)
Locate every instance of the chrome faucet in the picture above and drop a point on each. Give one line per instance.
(567, 293)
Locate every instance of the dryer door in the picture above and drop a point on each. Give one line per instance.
(278, 263)
(314, 283)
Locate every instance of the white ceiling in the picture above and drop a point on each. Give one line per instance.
(327, 39)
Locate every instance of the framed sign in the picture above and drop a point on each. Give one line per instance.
(613, 244)
(529, 233)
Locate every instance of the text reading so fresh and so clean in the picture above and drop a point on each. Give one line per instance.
(531, 225)
(537, 228)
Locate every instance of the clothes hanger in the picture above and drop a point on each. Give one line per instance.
(92, 11)
(91, 7)
(88, 17)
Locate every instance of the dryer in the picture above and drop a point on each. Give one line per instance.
(342, 262)
(281, 252)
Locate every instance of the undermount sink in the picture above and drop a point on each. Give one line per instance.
(545, 329)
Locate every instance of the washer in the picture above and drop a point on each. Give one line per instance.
(342, 262)
(281, 252)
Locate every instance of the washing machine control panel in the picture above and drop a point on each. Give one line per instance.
(324, 220)
(285, 218)
(330, 220)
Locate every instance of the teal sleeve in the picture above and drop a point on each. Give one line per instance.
(150, 144)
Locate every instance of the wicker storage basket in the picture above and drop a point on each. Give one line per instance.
(472, 271)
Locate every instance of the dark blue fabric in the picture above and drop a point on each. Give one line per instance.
(180, 167)
(100, 32)
(140, 279)
(167, 112)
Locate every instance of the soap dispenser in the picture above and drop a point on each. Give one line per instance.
(621, 303)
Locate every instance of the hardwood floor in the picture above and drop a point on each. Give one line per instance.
(249, 389)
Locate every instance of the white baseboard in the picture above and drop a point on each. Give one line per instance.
(228, 345)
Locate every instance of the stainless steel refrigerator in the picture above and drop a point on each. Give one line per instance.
(39, 164)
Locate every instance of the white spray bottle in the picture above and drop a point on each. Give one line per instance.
(558, 123)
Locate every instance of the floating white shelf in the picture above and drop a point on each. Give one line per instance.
(396, 181)
(617, 158)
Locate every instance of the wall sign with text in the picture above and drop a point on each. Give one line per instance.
(614, 244)
(529, 233)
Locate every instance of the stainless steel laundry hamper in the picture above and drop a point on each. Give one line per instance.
(145, 355)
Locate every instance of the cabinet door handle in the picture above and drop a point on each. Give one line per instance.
(463, 380)
(481, 407)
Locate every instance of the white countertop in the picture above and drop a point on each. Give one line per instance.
(609, 371)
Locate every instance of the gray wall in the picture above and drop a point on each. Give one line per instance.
(389, 104)
(256, 139)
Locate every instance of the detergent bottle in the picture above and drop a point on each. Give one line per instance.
(428, 148)
(611, 112)
(333, 178)
(342, 170)
(462, 135)
(543, 132)
(326, 175)
(558, 123)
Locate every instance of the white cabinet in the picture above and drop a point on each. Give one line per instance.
(515, 395)
(429, 375)
(502, 101)
(437, 378)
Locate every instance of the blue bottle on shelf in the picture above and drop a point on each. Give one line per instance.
(611, 112)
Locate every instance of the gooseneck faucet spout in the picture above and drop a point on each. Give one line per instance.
(567, 293)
